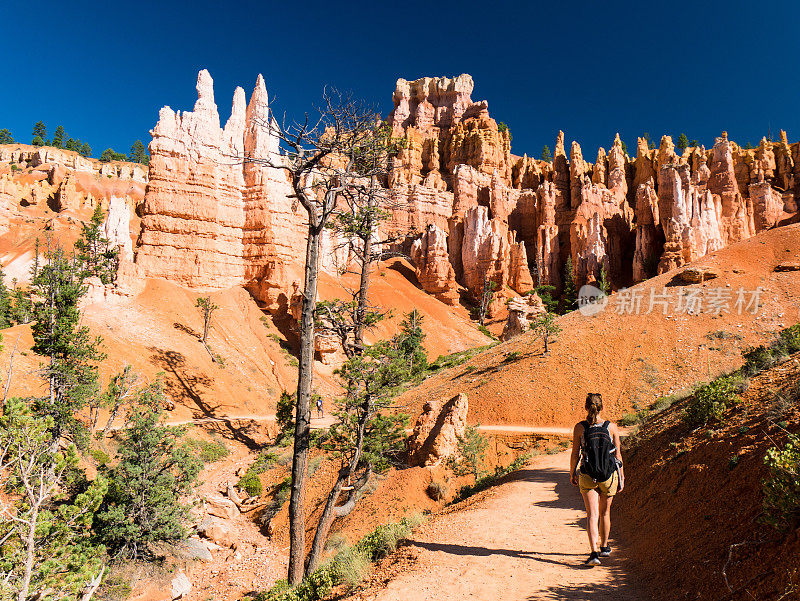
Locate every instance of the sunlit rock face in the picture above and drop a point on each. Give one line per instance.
(461, 206)
(211, 219)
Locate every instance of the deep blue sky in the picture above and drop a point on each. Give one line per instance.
(589, 68)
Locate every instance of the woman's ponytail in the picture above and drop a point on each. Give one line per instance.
(594, 405)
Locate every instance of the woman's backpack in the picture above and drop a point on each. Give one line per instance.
(599, 459)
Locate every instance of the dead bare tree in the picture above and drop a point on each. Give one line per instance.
(207, 309)
(487, 295)
(319, 156)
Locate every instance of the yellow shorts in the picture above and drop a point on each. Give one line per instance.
(608, 488)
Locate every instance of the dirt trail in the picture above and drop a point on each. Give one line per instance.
(523, 541)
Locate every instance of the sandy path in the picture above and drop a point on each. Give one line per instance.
(523, 541)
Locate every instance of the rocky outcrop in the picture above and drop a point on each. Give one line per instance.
(485, 250)
(210, 219)
(432, 261)
(519, 275)
(436, 432)
(116, 228)
(521, 311)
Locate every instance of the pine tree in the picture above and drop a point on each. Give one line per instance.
(155, 470)
(409, 341)
(58, 137)
(569, 295)
(546, 156)
(545, 327)
(365, 438)
(682, 143)
(45, 530)
(37, 141)
(40, 132)
(207, 309)
(94, 253)
(6, 303)
(139, 154)
(6, 137)
(85, 149)
(471, 449)
(21, 304)
(70, 350)
(109, 154)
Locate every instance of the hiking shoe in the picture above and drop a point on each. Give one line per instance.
(594, 559)
(605, 551)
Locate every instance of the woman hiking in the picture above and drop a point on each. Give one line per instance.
(596, 447)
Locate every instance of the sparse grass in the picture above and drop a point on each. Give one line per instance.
(349, 566)
(723, 335)
(512, 356)
(313, 465)
(485, 331)
(336, 541)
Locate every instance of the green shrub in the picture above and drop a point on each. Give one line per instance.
(209, 451)
(782, 487)
(383, 540)
(251, 484)
(711, 401)
(100, 456)
(789, 339)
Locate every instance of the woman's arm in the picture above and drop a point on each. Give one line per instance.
(618, 444)
(577, 433)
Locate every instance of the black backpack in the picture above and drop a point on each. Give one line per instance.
(599, 459)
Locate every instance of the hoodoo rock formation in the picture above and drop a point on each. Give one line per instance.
(210, 219)
(468, 211)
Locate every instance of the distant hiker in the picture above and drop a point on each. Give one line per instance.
(320, 412)
(596, 468)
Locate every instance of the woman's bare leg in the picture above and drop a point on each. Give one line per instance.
(605, 519)
(591, 501)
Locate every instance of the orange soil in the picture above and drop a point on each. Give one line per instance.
(692, 501)
(630, 359)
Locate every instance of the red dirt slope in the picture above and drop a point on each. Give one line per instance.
(692, 500)
(629, 358)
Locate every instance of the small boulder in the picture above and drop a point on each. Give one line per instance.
(695, 275)
(194, 548)
(217, 530)
(221, 507)
(436, 433)
(180, 586)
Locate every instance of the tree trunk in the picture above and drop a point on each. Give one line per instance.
(30, 555)
(302, 427)
(328, 514)
(111, 419)
(363, 289)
